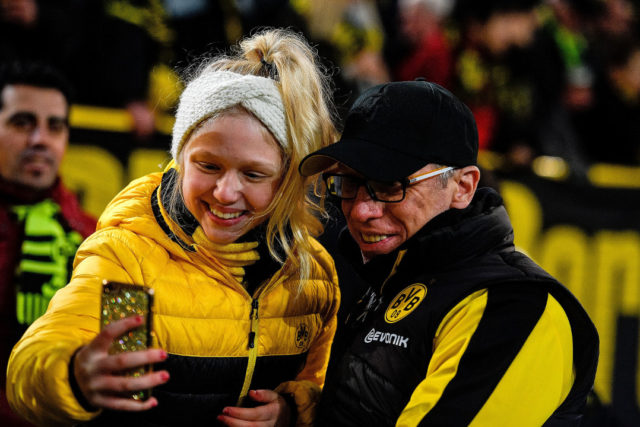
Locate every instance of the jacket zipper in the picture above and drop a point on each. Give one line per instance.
(394, 269)
(253, 351)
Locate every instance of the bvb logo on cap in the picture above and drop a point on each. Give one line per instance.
(405, 302)
(302, 336)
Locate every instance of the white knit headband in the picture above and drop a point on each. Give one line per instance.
(216, 91)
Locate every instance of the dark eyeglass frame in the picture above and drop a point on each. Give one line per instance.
(406, 182)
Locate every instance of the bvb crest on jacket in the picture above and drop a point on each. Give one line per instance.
(405, 302)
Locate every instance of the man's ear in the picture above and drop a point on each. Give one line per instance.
(466, 181)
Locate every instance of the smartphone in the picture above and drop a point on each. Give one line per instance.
(120, 300)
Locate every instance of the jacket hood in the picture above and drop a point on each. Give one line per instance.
(137, 208)
(131, 208)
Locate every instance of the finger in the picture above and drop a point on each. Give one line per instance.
(124, 404)
(104, 339)
(110, 384)
(259, 413)
(228, 421)
(131, 359)
(234, 422)
(264, 396)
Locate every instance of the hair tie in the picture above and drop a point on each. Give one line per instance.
(271, 69)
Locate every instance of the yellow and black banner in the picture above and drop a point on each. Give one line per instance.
(587, 235)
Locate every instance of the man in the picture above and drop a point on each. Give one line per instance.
(41, 223)
(458, 328)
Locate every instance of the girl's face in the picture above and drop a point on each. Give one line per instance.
(232, 168)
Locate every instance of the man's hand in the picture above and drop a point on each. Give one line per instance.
(143, 119)
(275, 412)
(99, 376)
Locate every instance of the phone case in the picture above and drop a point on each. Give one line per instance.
(120, 300)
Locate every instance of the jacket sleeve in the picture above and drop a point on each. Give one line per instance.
(306, 389)
(501, 356)
(37, 375)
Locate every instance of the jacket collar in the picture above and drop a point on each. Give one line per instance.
(182, 217)
(248, 258)
(18, 194)
(456, 235)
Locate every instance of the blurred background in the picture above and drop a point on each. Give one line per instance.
(554, 86)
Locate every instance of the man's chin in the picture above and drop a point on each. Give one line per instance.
(38, 181)
(383, 247)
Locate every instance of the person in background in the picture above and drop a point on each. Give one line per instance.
(458, 327)
(33, 30)
(509, 71)
(41, 222)
(616, 103)
(572, 23)
(245, 298)
(115, 46)
(423, 24)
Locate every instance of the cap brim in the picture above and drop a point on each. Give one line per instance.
(371, 160)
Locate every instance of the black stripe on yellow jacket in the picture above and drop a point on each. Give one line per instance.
(202, 387)
(489, 355)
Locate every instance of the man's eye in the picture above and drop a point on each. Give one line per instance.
(57, 126)
(389, 188)
(23, 122)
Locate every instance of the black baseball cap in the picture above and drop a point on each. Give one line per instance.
(394, 129)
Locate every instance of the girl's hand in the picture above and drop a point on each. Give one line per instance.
(275, 412)
(99, 374)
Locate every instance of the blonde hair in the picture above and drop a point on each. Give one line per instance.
(304, 84)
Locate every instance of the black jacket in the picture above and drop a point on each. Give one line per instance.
(459, 327)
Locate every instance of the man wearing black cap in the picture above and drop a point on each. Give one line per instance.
(457, 328)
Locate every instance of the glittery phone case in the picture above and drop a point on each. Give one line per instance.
(120, 300)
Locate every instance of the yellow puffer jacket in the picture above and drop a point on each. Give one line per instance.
(221, 340)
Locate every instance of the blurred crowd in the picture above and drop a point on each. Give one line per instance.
(542, 77)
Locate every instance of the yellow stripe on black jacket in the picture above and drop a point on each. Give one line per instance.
(460, 330)
(221, 340)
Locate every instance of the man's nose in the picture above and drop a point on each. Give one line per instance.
(364, 207)
(40, 135)
(227, 188)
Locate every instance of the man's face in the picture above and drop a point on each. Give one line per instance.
(379, 228)
(510, 29)
(33, 134)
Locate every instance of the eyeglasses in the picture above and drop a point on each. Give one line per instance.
(346, 187)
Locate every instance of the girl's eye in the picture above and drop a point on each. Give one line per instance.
(254, 175)
(209, 166)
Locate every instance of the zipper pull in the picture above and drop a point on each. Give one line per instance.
(254, 309)
(254, 312)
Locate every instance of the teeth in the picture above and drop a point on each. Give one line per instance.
(373, 238)
(223, 215)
